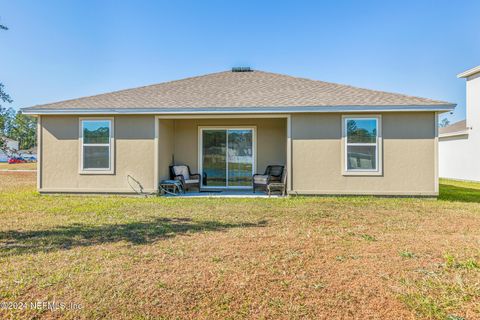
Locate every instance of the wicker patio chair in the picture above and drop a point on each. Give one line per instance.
(183, 173)
(273, 173)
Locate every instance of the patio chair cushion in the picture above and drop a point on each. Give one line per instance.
(192, 181)
(182, 170)
(260, 179)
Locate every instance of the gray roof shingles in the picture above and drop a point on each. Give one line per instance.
(240, 89)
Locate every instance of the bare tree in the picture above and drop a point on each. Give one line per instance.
(444, 123)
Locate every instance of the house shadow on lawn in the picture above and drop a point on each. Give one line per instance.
(78, 235)
(450, 192)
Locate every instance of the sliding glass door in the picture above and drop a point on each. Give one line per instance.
(214, 157)
(227, 157)
(240, 157)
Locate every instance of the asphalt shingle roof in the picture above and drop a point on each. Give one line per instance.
(240, 89)
(454, 127)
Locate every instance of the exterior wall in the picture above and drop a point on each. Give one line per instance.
(134, 155)
(409, 156)
(271, 140)
(166, 147)
(460, 155)
(134, 150)
(473, 102)
(409, 153)
(455, 159)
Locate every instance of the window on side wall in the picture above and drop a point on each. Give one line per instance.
(96, 140)
(362, 145)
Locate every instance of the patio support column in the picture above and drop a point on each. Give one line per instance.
(436, 178)
(289, 154)
(155, 155)
(39, 152)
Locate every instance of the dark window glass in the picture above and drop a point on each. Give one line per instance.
(361, 157)
(96, 157)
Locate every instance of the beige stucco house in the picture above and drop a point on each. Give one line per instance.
(332, 138)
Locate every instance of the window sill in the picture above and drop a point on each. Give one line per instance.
(362, 173)
(96, 172)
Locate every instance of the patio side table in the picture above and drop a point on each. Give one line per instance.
(172, 187)
(276, 186)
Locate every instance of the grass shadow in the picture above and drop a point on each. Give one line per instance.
(450, 192)
(14, 242)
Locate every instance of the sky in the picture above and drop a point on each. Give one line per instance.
(56, 50)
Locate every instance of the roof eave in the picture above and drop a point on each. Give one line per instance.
(453, 134)
(469, 72)
(237, 110)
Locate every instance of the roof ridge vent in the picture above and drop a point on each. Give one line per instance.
(242, 69)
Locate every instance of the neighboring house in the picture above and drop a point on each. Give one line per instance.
(29, 154)
(10, 144)
(460, 142)
(332, 138)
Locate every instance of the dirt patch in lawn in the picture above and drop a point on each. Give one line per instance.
(319, 258)
(18, 166)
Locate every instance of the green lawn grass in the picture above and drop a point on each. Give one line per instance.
(454, 190)
(300, 257)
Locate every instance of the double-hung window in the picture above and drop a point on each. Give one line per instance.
(362, 144)
(96, 139)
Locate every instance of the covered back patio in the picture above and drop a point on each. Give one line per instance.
(225, 150)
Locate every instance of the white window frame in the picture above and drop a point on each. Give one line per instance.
(378, 144)
(226, 128)
(111, 145)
